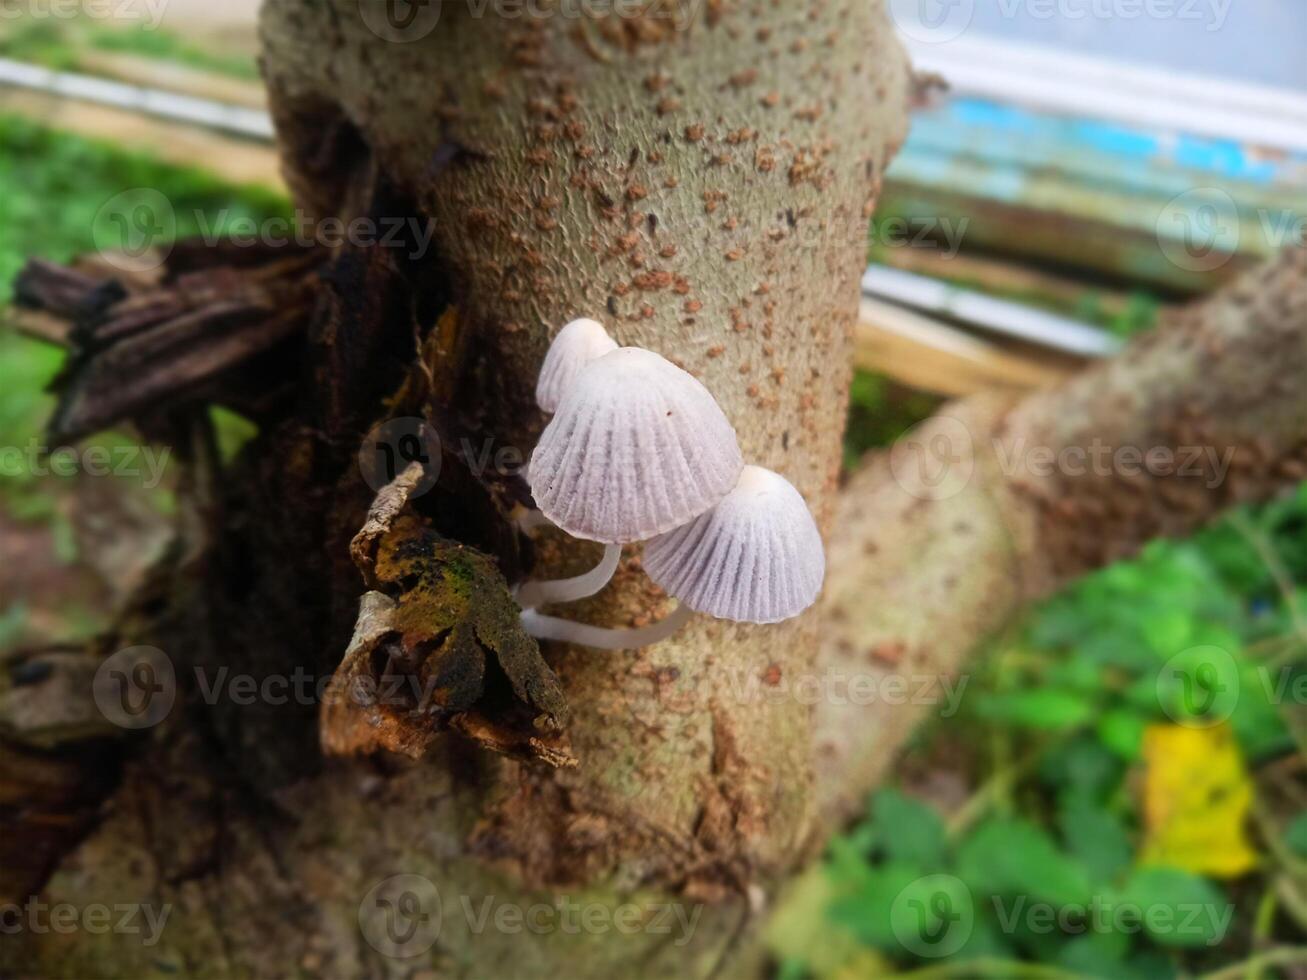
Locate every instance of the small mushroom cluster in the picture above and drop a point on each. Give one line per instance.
(639, 450)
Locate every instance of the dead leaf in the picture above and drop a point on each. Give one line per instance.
(440, 647)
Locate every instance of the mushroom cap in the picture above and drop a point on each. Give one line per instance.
(576, 345)
(756, 557)
(637, 447)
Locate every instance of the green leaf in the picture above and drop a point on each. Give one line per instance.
(910, 832)
(1295, 835)
(1078, 674)
(865, 910)
(1100, 955)
(1095, 837)
(1046, 708)
(1082, 765)
(1176, 908)
(1014, 857)
(1169, 631)
(1122, 731)
(1257, 720)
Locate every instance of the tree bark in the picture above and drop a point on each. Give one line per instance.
(700, 178)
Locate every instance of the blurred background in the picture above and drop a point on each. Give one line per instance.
(1136, 743)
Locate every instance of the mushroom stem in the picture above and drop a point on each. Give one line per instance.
(533, 594)
(567, 631)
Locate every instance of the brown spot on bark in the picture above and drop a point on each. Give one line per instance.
(652, 280)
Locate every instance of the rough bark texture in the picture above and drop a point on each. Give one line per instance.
(705, 192)
(702, 185)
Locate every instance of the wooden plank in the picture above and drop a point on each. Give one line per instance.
(1180, 212)
(172, 77)
(236, 160)
(929, 355)
(184, 109)
(1003, 278)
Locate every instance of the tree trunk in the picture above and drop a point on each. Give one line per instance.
(699, 177)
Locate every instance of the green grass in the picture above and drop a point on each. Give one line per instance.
(59, 44)
(1049, 739)
(1044, 758)
(54, 186)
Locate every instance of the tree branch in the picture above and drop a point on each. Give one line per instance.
(994, 503)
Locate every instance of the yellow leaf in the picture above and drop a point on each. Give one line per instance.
(1196, 799)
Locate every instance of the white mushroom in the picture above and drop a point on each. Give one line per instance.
(637, 447)
(535, 592)
(756, 557)
(576, 345)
